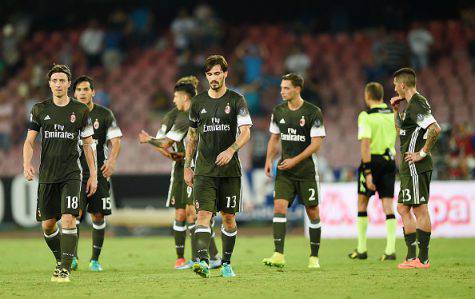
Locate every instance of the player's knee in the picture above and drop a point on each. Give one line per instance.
(180, 214)
(49, 226)
(312, 212)
(97, 217)
(229, 221)
(204, 218)
(280, 206)
(388, 206)
(68, 221)
(402, 210)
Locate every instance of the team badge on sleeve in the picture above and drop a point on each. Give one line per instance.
(72, 118)
(227, 109)
(302, 121)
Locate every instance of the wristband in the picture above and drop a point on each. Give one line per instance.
(422, 153)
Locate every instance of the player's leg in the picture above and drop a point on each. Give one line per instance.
(309, 193)
(191, 224)
(284, 193)
(229, 203)
(47, 212)
(205, 191)
(423, 232)
(52, 237)
(70, 205)
(405, 203)
(79, 219)
(179, 232)
(391, 225)
(98, 235)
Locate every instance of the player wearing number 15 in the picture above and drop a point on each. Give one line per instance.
(107, 136)
(62, 122)
(298, 125)
(418, 131)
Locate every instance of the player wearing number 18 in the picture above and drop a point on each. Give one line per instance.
(298, 125)
(418, 131)
(63, 122)
(106, 144)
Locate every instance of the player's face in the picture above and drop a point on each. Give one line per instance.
(84, 93)
(399, 87)
(179, 98)
(288, 91)
(59, 84)
(216, 77)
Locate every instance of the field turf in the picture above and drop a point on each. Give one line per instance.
(143, 268)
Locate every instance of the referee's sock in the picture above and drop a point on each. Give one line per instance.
(362, 226)
(391, 234)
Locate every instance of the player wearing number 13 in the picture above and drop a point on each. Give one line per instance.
(298, 125)
(62, 122)
(418, 131)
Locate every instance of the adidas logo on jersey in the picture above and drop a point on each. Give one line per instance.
(282, 121)
(47, 117)
(203, 111)
(423, 199)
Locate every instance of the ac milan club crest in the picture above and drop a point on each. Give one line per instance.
(96, 124)
(302, 121)
(72, 118)
(227, 109)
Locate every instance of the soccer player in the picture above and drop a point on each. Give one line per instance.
(216, 117)
(180, 195)
(377, 171)
(107, 136)
(418, 131)
(62, 122)
(298, 126)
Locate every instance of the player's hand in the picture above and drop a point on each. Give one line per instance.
(287, 164)
(268, 169)
(412, 157)
(108, 168)
(144, 137)
(29, 172)
(395, 102)
(176, 156)
(369, 182)
(189, 176)
(224, 157)
(91, 185)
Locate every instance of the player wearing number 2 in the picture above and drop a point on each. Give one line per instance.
(298, 125)
(63, 122)
(107, 137)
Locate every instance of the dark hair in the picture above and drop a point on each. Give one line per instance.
(59, 68)
(189, 79)
(375, 90)
(81, 79)
(407, 76)
(216, 60)
(186, 87)
(296, 80)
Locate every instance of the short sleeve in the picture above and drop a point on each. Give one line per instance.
(194, 115)
(243, 116)
(34, 123)
(113, 131)
(273, 127)
(179, 129)
(86, 125)
(166, 124)
(422, 113)
(318, 128)
(364, 129)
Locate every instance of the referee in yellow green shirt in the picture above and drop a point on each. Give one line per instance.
(377, 172)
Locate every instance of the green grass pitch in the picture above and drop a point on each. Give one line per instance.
(143, 267)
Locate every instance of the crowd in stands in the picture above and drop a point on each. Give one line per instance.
(136, 63)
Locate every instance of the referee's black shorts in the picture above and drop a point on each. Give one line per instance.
(383, 168)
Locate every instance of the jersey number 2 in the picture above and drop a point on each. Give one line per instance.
(312, 194)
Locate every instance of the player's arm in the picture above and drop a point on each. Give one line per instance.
(364, 135)
(191, 144)
(91, 185)
(395, 103)
(244, 136)
(312, 148)
(109, 166)
(28, 150)
(272, 152)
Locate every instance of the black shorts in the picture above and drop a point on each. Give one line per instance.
(383, 169)
(99, 202)
(56, 199)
